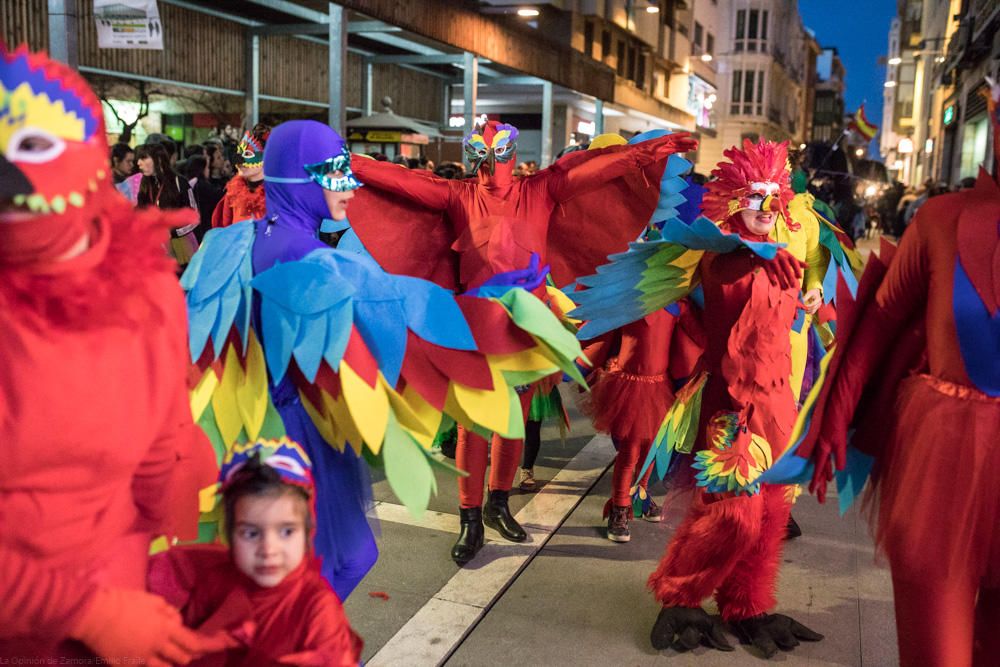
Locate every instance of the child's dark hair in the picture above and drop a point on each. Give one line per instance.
(258, 479)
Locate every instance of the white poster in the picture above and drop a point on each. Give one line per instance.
(128, 24)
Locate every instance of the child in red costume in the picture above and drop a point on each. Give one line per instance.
(100, 451)
(244, 197)
(461, 233)
(630, 392)
(925, 353)
(266, 588)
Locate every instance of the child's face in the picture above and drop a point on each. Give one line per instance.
(269, 537)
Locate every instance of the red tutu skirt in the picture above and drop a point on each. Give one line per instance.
(627, 406)
(937, 487)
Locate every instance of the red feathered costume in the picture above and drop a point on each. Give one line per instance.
(242, 201)
(632, 389)
(100, 453)
(299, 617)
(459, 233)
(919, 376)
(729, 543)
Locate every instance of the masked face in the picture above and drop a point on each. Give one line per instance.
(52, 145)
(250, 157)
(495, 143)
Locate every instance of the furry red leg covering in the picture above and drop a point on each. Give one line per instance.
(709, 543)
(749, 589)
(470, 456)
(935, 620)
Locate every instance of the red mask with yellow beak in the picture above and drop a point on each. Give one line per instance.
(53, 158)
(492, 150)
(756, 178)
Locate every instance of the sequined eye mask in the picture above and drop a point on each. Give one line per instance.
(322, 173)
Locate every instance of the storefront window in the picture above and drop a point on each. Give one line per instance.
(974, 137)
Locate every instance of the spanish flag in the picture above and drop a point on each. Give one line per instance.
(862, 125)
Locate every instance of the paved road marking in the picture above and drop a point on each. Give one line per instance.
(440, 626)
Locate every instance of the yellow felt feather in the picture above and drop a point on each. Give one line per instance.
(225, 401)
(368, 405)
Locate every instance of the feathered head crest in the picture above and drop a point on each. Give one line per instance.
(51, 134)
(756, 177)
(250, 150)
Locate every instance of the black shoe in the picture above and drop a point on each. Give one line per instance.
(618, 519)
(793, 530)
(497, 515)
(769, 632)
(470, 537)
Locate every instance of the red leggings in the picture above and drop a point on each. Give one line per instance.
(947, 622)
(727, 545)
(631, 455)
(470, 456)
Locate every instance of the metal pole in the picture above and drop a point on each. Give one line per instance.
(63, 41)
(598, 117)
(470, 85)
(446, 109)
(369, 85)
(253, 80)
(337, 41)
(546, 157)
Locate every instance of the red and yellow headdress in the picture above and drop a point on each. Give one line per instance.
(756, 177)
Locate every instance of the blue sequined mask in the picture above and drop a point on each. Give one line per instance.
(322, 173)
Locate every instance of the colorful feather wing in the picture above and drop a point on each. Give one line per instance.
(654, 274)
(379, 359)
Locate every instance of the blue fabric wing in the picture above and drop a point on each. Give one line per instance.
(217, 287)
(306, 314)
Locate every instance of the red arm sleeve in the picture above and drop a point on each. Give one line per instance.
(180, 461)
(222, 216)
(37, 601)
(424, 189)
(568, 178)
(901, 294)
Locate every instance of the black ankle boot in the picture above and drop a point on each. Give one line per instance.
(497, 515)
(470, 537)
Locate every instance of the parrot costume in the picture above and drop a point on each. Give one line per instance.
(101, 454)
(293, 338)
(244, 199)
(460, 232)
(917, 375)
(738, 407)
(299, 621)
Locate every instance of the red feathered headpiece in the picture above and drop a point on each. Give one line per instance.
(761, 169)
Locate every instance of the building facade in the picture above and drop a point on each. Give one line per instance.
(766, 70)
(934, 123)
(828, 112)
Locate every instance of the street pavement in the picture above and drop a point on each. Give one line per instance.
(569, 596)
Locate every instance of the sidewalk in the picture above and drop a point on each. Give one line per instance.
(569, 596)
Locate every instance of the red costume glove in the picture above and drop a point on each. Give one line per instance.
(784, 270)
(142, 626)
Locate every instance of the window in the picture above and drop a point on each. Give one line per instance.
(699, 33)
(751, 30)
(605, 44)
(620, 68)
(747, 93)
(588, 38)
(710, 43)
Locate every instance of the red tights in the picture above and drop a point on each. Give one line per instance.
(631, 455)
(470, 455)
(947, 622)
(727, 545)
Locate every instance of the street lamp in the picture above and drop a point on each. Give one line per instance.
(895, 60)
(860, 152)
(527, 12)
(905, 146)
(706, 57)
(889, 84)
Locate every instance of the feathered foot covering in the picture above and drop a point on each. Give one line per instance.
(730, 546)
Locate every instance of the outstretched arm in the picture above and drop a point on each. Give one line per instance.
(584, 170)
(421, 187)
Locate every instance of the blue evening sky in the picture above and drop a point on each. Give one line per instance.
(860, 31)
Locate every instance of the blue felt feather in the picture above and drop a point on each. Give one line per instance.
(217, 286)
(703, 234)
(978, 334)
(433, 314)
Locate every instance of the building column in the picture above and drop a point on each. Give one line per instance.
(598, 117)
(63, 24)
(546, 158)
(337, 40)
(470, 89)
(369, 85)
(253, 79)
